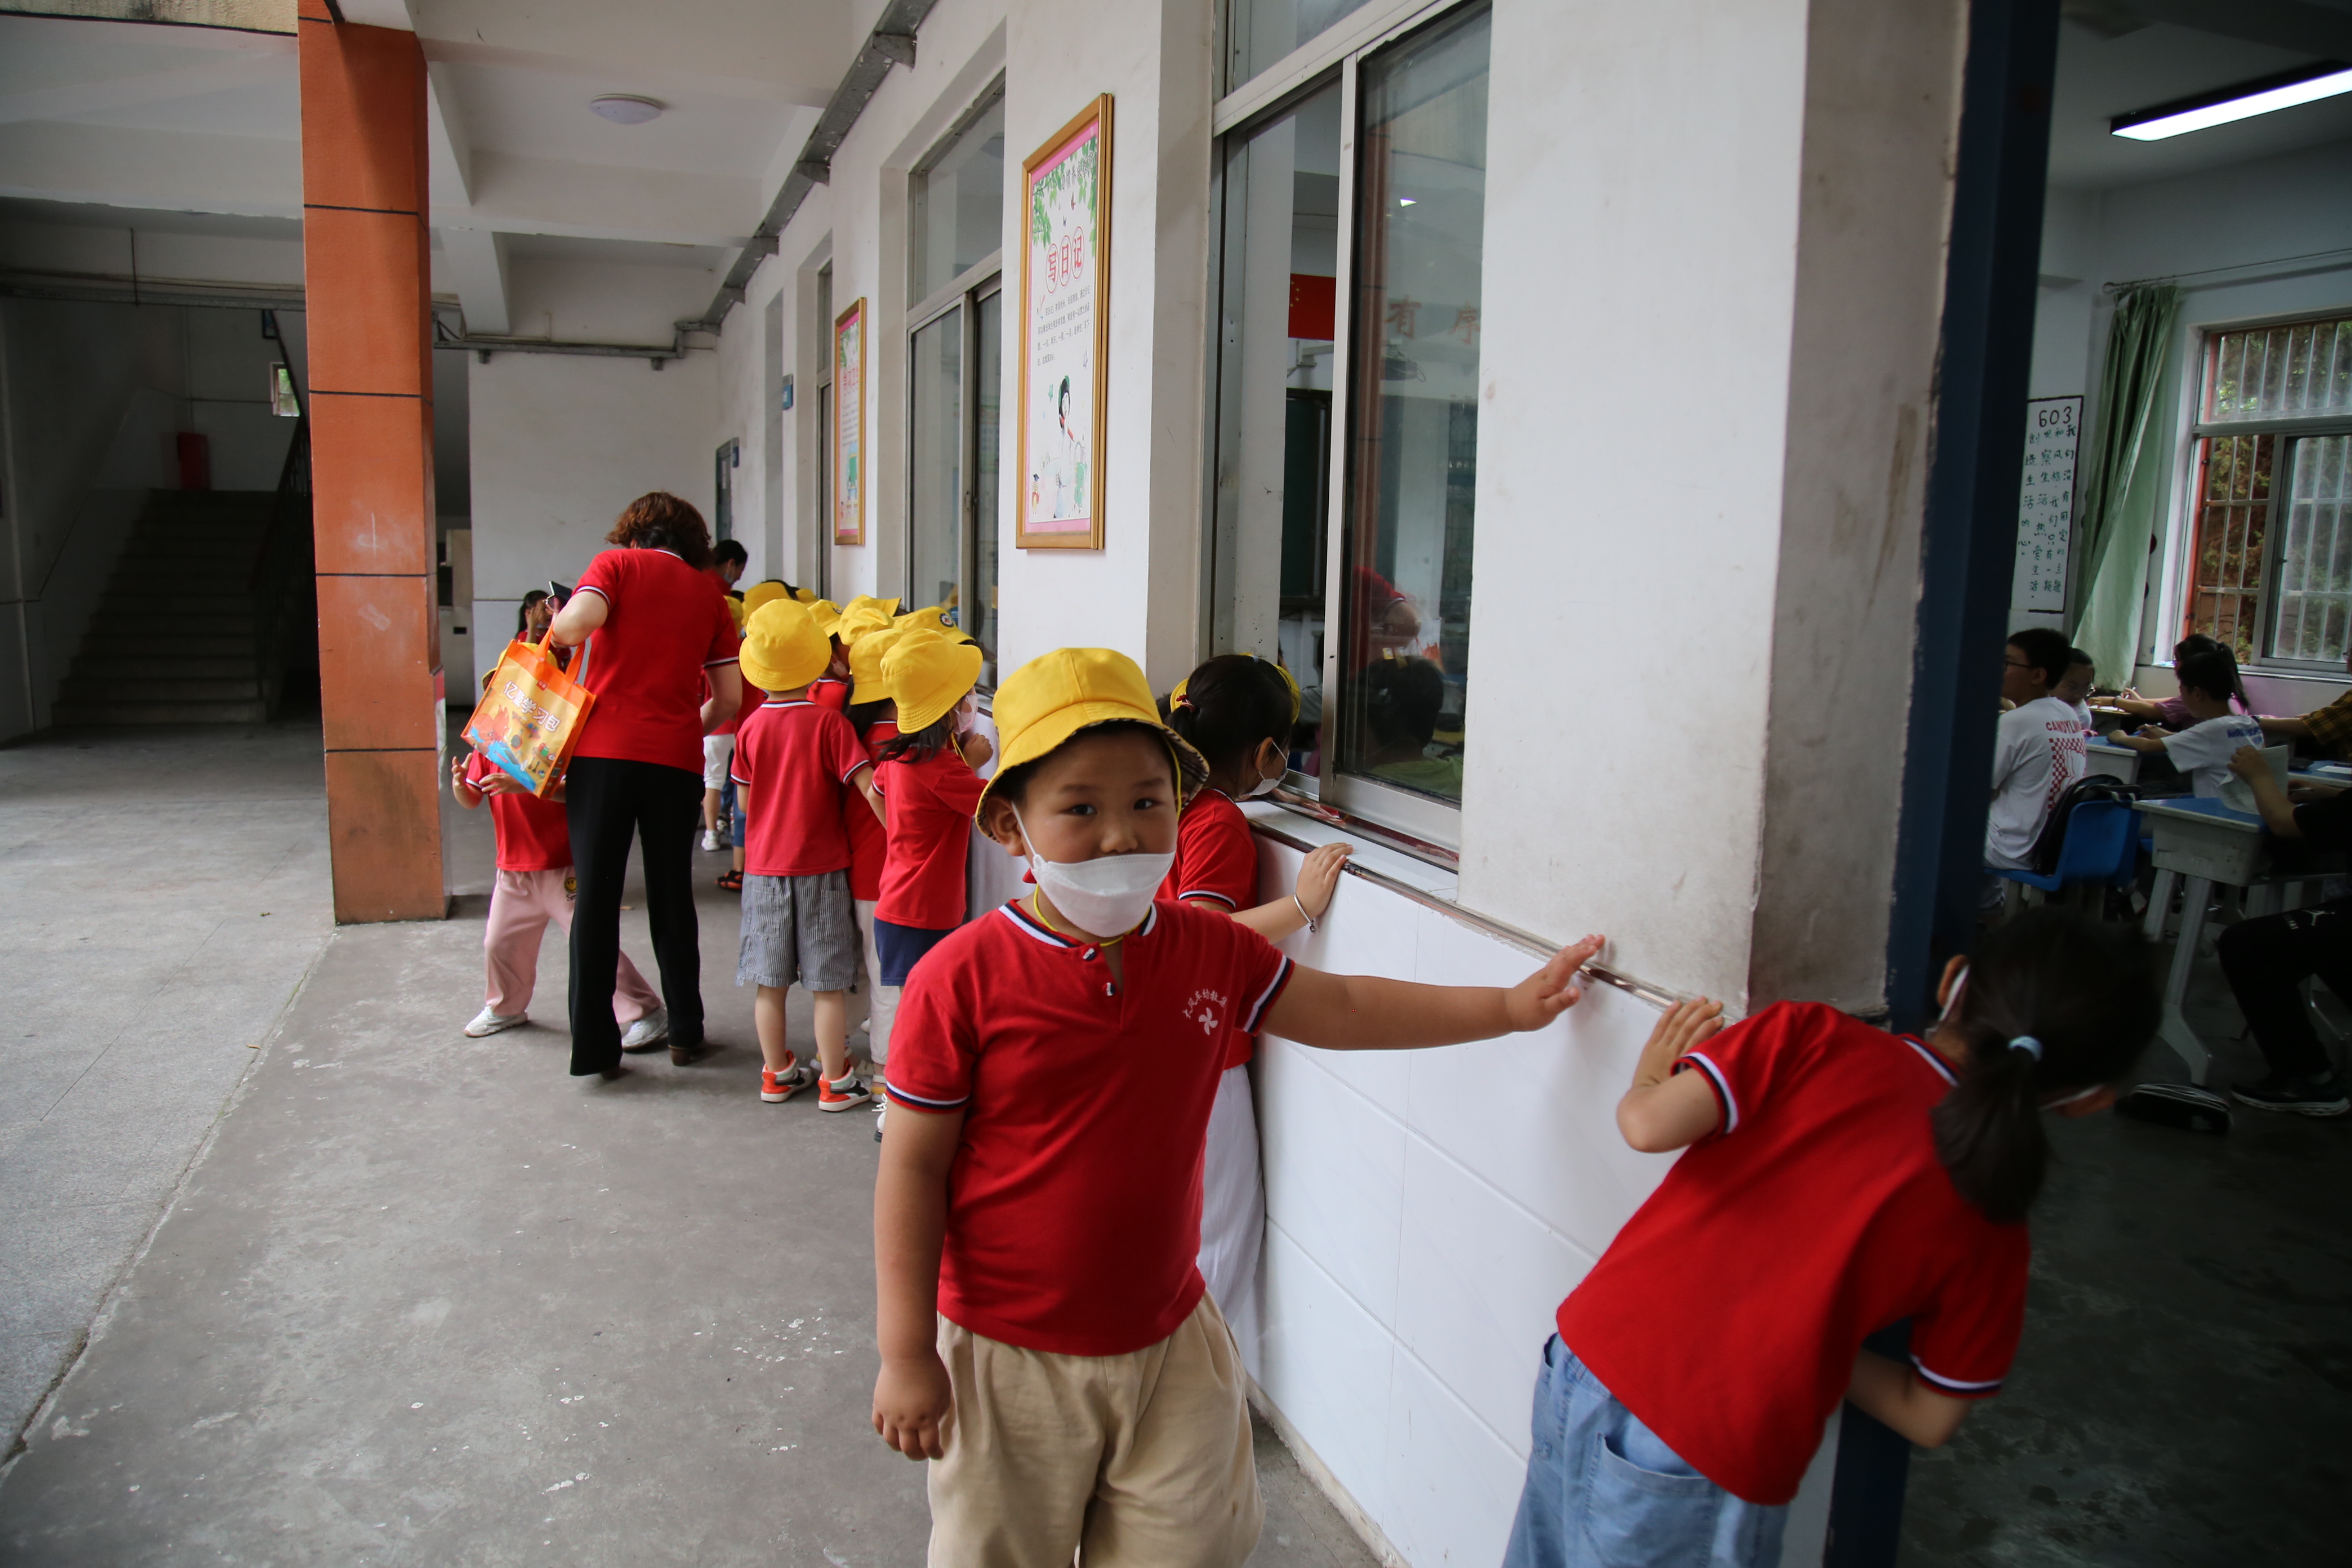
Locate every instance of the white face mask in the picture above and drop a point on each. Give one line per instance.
(966, 715)
(1106, 895)
(1264, 785)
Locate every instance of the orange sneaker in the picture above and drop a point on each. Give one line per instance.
(775, 1087)
(849, 1091)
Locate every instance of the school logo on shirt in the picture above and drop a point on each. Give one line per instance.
(1206, 1008)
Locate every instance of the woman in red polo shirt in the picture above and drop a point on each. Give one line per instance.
(655, 623)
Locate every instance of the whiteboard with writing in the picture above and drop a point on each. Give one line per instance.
(2045, 502)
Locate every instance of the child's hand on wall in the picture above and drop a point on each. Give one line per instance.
(1551, 990)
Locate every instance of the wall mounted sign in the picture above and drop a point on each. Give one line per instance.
(788, 394)
(1064, 334)
(2045, 503)
(849, 425)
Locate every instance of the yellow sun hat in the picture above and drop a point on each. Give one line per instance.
(805, 595)
(933, 618)
(887, 607)
(783, 649)
(857, 620)
(761, 593)
(1053, 696)
(828, 615)
(928, 674)
(866, 655)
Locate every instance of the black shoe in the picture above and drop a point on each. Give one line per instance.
(685, 1054)
(2298, 1095)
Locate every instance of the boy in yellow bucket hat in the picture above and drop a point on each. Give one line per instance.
(794, 761)
(1046, 1338)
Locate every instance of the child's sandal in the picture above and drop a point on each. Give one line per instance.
(730, 881)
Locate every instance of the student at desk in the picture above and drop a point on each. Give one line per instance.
(2202, 750)
(2172, 712)
(2328, 728)
(2037, 751)
(2267, 959)
(2074, 691)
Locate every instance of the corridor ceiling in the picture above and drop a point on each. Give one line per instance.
(109, 115)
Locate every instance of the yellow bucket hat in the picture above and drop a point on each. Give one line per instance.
(887, 607)
(858, 620)
(761, 593)
(1054, 696)
(783, 649)
(928, 674)
(828, 616)
(805, 595)
(933, 618)
(865, 654)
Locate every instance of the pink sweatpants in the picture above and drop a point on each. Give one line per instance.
(522, 903)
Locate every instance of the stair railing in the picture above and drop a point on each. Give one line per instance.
(281, 565)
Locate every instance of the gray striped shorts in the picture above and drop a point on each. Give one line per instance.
(799, 930)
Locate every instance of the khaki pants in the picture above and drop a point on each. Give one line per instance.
(1141, 1460)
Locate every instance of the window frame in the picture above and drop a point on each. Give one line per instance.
(1423, 826)
(964, 292)
(2290, 433)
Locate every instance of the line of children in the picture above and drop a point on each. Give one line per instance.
(792, 759)
(533, 886)
(1238, 711)
(1045, 1335)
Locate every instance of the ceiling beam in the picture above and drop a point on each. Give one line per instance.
(476, 263)
(449, 152)
(212, 73)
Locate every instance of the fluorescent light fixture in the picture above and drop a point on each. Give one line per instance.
(1406, 201)
(2266, 95)
(626, 108)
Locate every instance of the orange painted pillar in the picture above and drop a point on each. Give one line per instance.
(368, 282)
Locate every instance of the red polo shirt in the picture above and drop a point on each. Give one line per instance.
(869, 843)
(533, 834)
(930, 803)
(1217, 866)
(1727, 1311)
(791, 760)
(1074, 1218)
(664, 625)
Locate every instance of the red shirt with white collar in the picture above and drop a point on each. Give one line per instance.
(793, 762)
(1074, 1218)
(1727, 1311)
(534, 835)
(930, 802)
(1216, 867)
(664, 625)
(870, 842)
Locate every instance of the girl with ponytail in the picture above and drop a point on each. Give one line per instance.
(1835, 1180)
(1238, 711)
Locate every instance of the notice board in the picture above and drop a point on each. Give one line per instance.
(2045, 503)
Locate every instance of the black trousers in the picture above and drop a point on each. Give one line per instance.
(2267, 959)
(608, 802)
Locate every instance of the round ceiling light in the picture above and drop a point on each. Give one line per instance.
(626, 108)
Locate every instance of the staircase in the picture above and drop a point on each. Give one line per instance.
(212, 594)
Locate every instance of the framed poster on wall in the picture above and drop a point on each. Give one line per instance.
(2045, 503)
(848, 433)
(1065, 335)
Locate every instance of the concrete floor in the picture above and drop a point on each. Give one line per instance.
(2184, 1392)
(419, 1298)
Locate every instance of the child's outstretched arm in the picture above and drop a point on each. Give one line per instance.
(1886, 1390)
(1365, 1013)
(1666, 1110)
(1317, 879)
(912, 1398)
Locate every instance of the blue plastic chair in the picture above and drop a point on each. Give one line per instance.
(2101, 846)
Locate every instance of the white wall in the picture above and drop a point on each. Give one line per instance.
(560, 444)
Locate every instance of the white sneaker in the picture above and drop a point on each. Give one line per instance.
(488, 1023)
(647, 1032)
(710, 839)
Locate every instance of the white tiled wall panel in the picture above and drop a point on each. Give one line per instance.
(1426, 1211)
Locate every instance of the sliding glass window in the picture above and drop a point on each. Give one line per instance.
(1349, 318)
(956, 222)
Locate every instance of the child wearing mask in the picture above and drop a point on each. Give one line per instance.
(1238, 711)
(1837, 1180)
(1046, 1338)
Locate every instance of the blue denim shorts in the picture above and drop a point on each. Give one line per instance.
(1602, 1490)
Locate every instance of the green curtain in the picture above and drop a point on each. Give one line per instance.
(2123, 488)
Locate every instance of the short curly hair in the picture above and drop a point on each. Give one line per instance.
(660, 521)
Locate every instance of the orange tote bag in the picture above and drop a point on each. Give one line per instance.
(531, 716)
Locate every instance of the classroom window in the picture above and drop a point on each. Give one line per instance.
(1412, 459)
(2269, 564)
(1260, 32)
(953, 347)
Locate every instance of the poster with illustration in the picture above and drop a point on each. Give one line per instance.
(1065, 331)
(849, 425)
